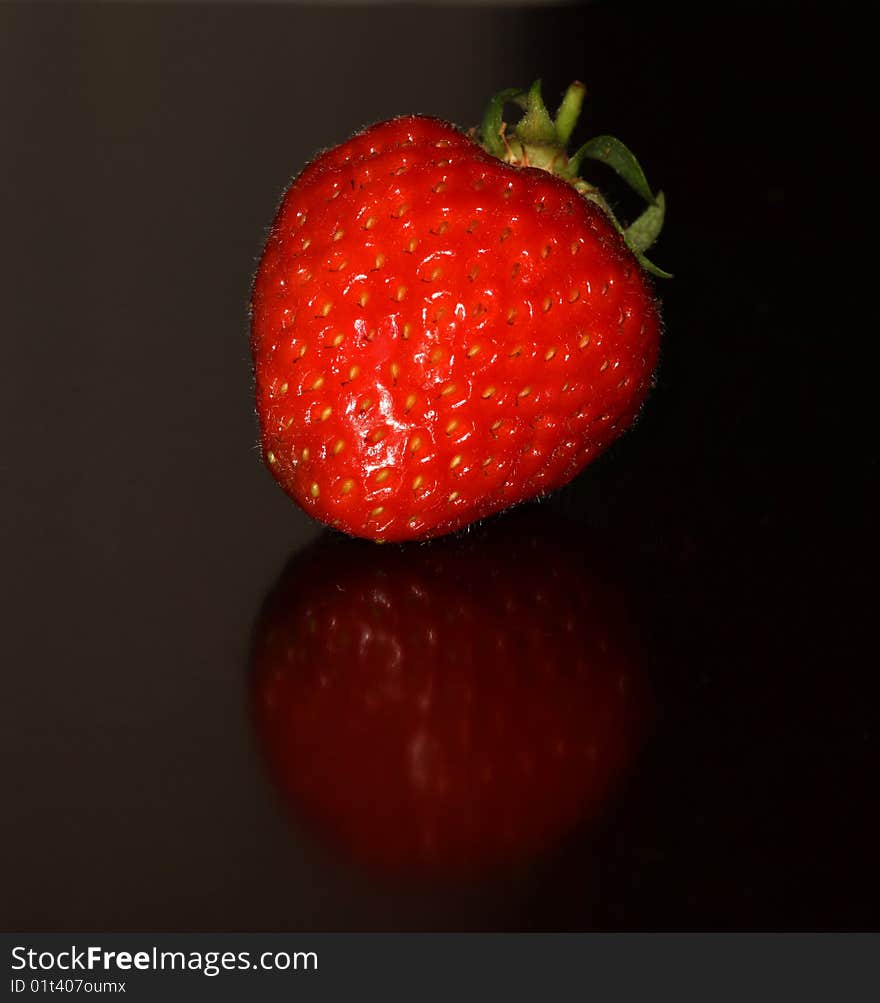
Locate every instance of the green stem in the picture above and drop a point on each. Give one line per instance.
(569, 111)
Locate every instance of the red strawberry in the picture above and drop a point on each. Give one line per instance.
(439, 334)
(458, 707)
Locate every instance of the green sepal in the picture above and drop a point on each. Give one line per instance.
(642, 232)
(649, 266)
(535, 128)
(610, 151)
(538, 140)
(490, 128)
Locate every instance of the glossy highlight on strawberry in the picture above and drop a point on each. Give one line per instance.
(438, 335)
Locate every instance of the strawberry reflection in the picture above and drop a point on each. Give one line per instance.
(447, 708)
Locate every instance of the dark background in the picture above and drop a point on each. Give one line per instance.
(144, 148)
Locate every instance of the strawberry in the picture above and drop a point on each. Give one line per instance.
(442, 329)
(450, 708)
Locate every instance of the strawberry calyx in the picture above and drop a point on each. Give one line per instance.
(540, 140)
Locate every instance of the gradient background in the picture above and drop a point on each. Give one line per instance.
(144, 149)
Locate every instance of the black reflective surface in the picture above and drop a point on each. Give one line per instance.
(649, 702)
(451, 710)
